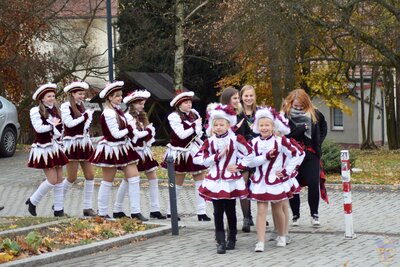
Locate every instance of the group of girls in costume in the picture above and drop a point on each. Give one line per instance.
(247, 154)
(62, 138)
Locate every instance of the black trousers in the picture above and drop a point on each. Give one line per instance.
(309, 175)
(227, 206)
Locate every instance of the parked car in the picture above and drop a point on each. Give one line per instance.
(9, 128)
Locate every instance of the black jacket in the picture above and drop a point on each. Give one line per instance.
(318, 133)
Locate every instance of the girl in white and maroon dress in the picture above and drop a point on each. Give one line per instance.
(290, 183)
(225, 154)
(144, 138)
(267, 183)
(186, 125)
(46, 151)
(77, 144)
(115, 150)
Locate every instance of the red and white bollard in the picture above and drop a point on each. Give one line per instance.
(347, 204)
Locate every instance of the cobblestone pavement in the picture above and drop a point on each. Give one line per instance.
(375, 214)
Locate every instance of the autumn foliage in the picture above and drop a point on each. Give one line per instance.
(63, 235)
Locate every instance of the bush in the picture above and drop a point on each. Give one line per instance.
(331, 157)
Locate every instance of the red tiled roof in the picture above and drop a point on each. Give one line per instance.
(84, 8)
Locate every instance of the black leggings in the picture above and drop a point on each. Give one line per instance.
(229, 207)
(310, 176)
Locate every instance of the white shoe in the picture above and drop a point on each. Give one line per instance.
(315, 221)
(281, 241)
(259, 246)
(295, 221)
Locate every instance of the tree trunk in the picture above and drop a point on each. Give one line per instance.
(179, 46)
(290, 58)
(369, 143)
(398, 104)
(305, 46)
(275, 70)
(362, 102)
(390, 109)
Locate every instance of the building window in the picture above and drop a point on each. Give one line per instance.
(337, 119)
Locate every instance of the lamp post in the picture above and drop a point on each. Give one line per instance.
(109, 42)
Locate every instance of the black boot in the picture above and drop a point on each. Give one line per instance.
(203, 217)
(221, 246)
(31, 207)
(58, 213)
(246, 225)
(231, 242)
(119, 215)
(139, 216)
(157, 215)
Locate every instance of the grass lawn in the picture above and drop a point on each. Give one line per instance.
(378, 167)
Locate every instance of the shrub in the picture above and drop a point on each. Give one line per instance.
(331, 157)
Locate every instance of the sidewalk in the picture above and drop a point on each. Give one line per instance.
(375, 215)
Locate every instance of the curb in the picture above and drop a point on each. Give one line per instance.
(366, 187)
(26, 230)
(84, 250)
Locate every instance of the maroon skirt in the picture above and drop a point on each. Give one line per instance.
(114, 154)
(147, 165)
(45, 156)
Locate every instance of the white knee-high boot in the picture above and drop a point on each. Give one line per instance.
(88, 189)
(66, 186)
(119, 199)
(58, 190)
(134, 194)
(154, 195)
(42, 190)
(178, 189)
(103, 197)
(200, 202)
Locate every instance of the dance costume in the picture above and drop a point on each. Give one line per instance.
(265, 184)
(185, 142)
(76, 138)
(115, 149)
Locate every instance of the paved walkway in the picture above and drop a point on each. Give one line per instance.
(375, 212)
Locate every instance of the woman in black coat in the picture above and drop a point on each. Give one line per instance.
(309, 129)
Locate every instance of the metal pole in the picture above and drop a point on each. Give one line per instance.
(347, 203)
(172, 195)
(109, 42)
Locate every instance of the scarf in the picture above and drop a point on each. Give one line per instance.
(299, 118)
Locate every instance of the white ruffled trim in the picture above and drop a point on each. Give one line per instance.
(220, 185)
(77, 141)
(178, 152)
(113, 148)
(44, 151)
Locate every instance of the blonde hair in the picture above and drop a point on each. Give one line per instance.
(247, 88)
(213, 121)
(305, 100)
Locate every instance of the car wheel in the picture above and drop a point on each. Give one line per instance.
(8, 142)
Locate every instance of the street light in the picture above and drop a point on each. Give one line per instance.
(109, 41)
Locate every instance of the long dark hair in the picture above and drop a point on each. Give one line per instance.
(74, 108)
(141, 117)
(108, 104)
